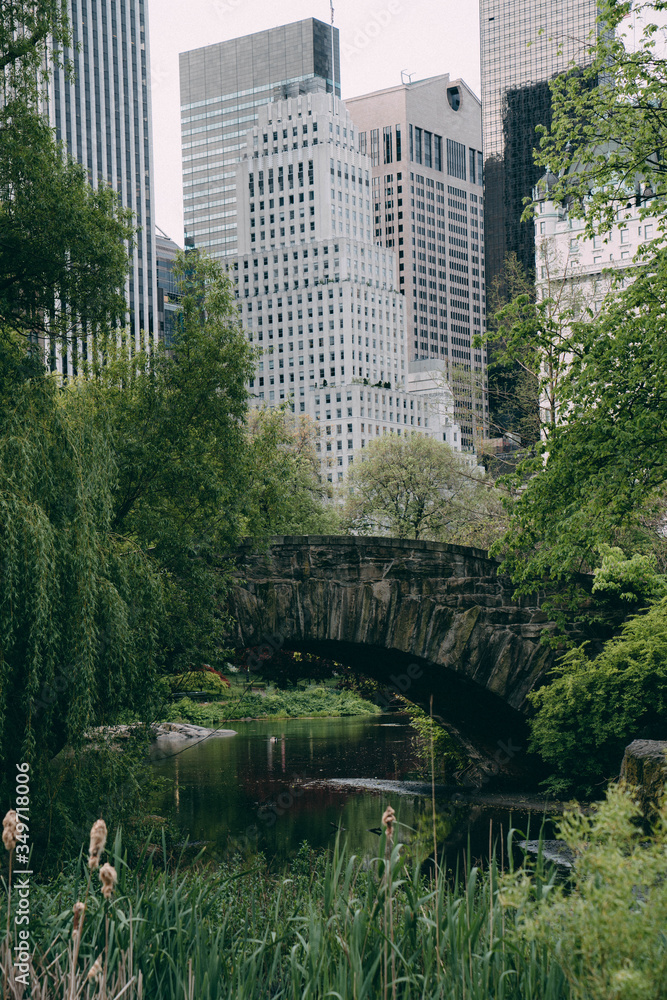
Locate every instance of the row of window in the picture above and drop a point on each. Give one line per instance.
(277, 180)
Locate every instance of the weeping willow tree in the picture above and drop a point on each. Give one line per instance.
(79, 605)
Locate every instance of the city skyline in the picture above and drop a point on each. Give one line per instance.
(378, 40)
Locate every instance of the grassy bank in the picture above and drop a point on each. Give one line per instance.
(334, 926)
(311, 702)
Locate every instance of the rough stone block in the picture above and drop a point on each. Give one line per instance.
(644, 768)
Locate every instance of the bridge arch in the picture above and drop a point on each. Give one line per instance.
(387, 605)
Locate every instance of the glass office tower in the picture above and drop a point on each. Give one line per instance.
(222, 88)
(103, 114)
(524, 44)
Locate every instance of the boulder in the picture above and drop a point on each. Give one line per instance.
(644, 768)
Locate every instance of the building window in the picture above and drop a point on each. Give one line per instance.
(472, 163)
(456, 159)
(398, 143)
(412, 151)
(375, 146)
(428, 144)
(388, 144)
(437, 143)
(418, 145)
(454, 98)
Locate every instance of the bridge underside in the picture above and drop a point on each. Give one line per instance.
(485, 726)
(435, 619)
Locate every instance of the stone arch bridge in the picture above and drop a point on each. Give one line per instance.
(433, 620)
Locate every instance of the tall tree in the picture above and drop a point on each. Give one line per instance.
(63, 245)
(79, 606)
(607, 468)
(177, 420)
(285, 494)
(604, 478)
(415, 487)
(25, 28)
(513, 383)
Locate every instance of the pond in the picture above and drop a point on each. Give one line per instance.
(266, 789)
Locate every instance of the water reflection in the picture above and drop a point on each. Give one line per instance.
(247, 792)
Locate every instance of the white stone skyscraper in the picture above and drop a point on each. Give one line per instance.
(103, 115)
(318, 295)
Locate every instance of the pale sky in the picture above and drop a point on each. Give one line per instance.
(378, 39)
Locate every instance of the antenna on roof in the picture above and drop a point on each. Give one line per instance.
(405, 73)
(333, 50)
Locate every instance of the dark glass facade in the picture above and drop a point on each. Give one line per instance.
(103, 114)
(168, 291)
(525, 43)
(222, 86)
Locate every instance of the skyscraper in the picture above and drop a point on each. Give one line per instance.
(424, 140)
(319, 298)
(222, 88)
(103, 115)
(524, 44)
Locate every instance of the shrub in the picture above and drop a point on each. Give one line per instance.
(593, 708)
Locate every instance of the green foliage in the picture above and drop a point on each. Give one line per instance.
(514, 379)
(63, 252)
(607, 466)
(633, 580)
(79, 605)
(25, 29)
(433, 744)
(176, 419)
(606, 928)
(416, 487)
(286, 667)
(594, 708)
(607, 130)
(603, 481)
(311, 702)
(532, 339)
(336, 925)
(284, 494)
(198, 680)
(331, 925)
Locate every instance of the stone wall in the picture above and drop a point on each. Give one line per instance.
(443, 605)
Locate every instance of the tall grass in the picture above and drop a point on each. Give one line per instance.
(343, 927)
(326, 930)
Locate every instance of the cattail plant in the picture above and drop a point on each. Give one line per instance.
(108, 878)
(98, 841)
(78, 910)
(95, 970)
(388, 821)
(9, 837)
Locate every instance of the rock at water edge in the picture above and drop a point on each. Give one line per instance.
(644, 767)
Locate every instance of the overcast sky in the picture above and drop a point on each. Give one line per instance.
(378, 38)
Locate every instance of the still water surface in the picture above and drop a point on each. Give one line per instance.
(247, 791)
